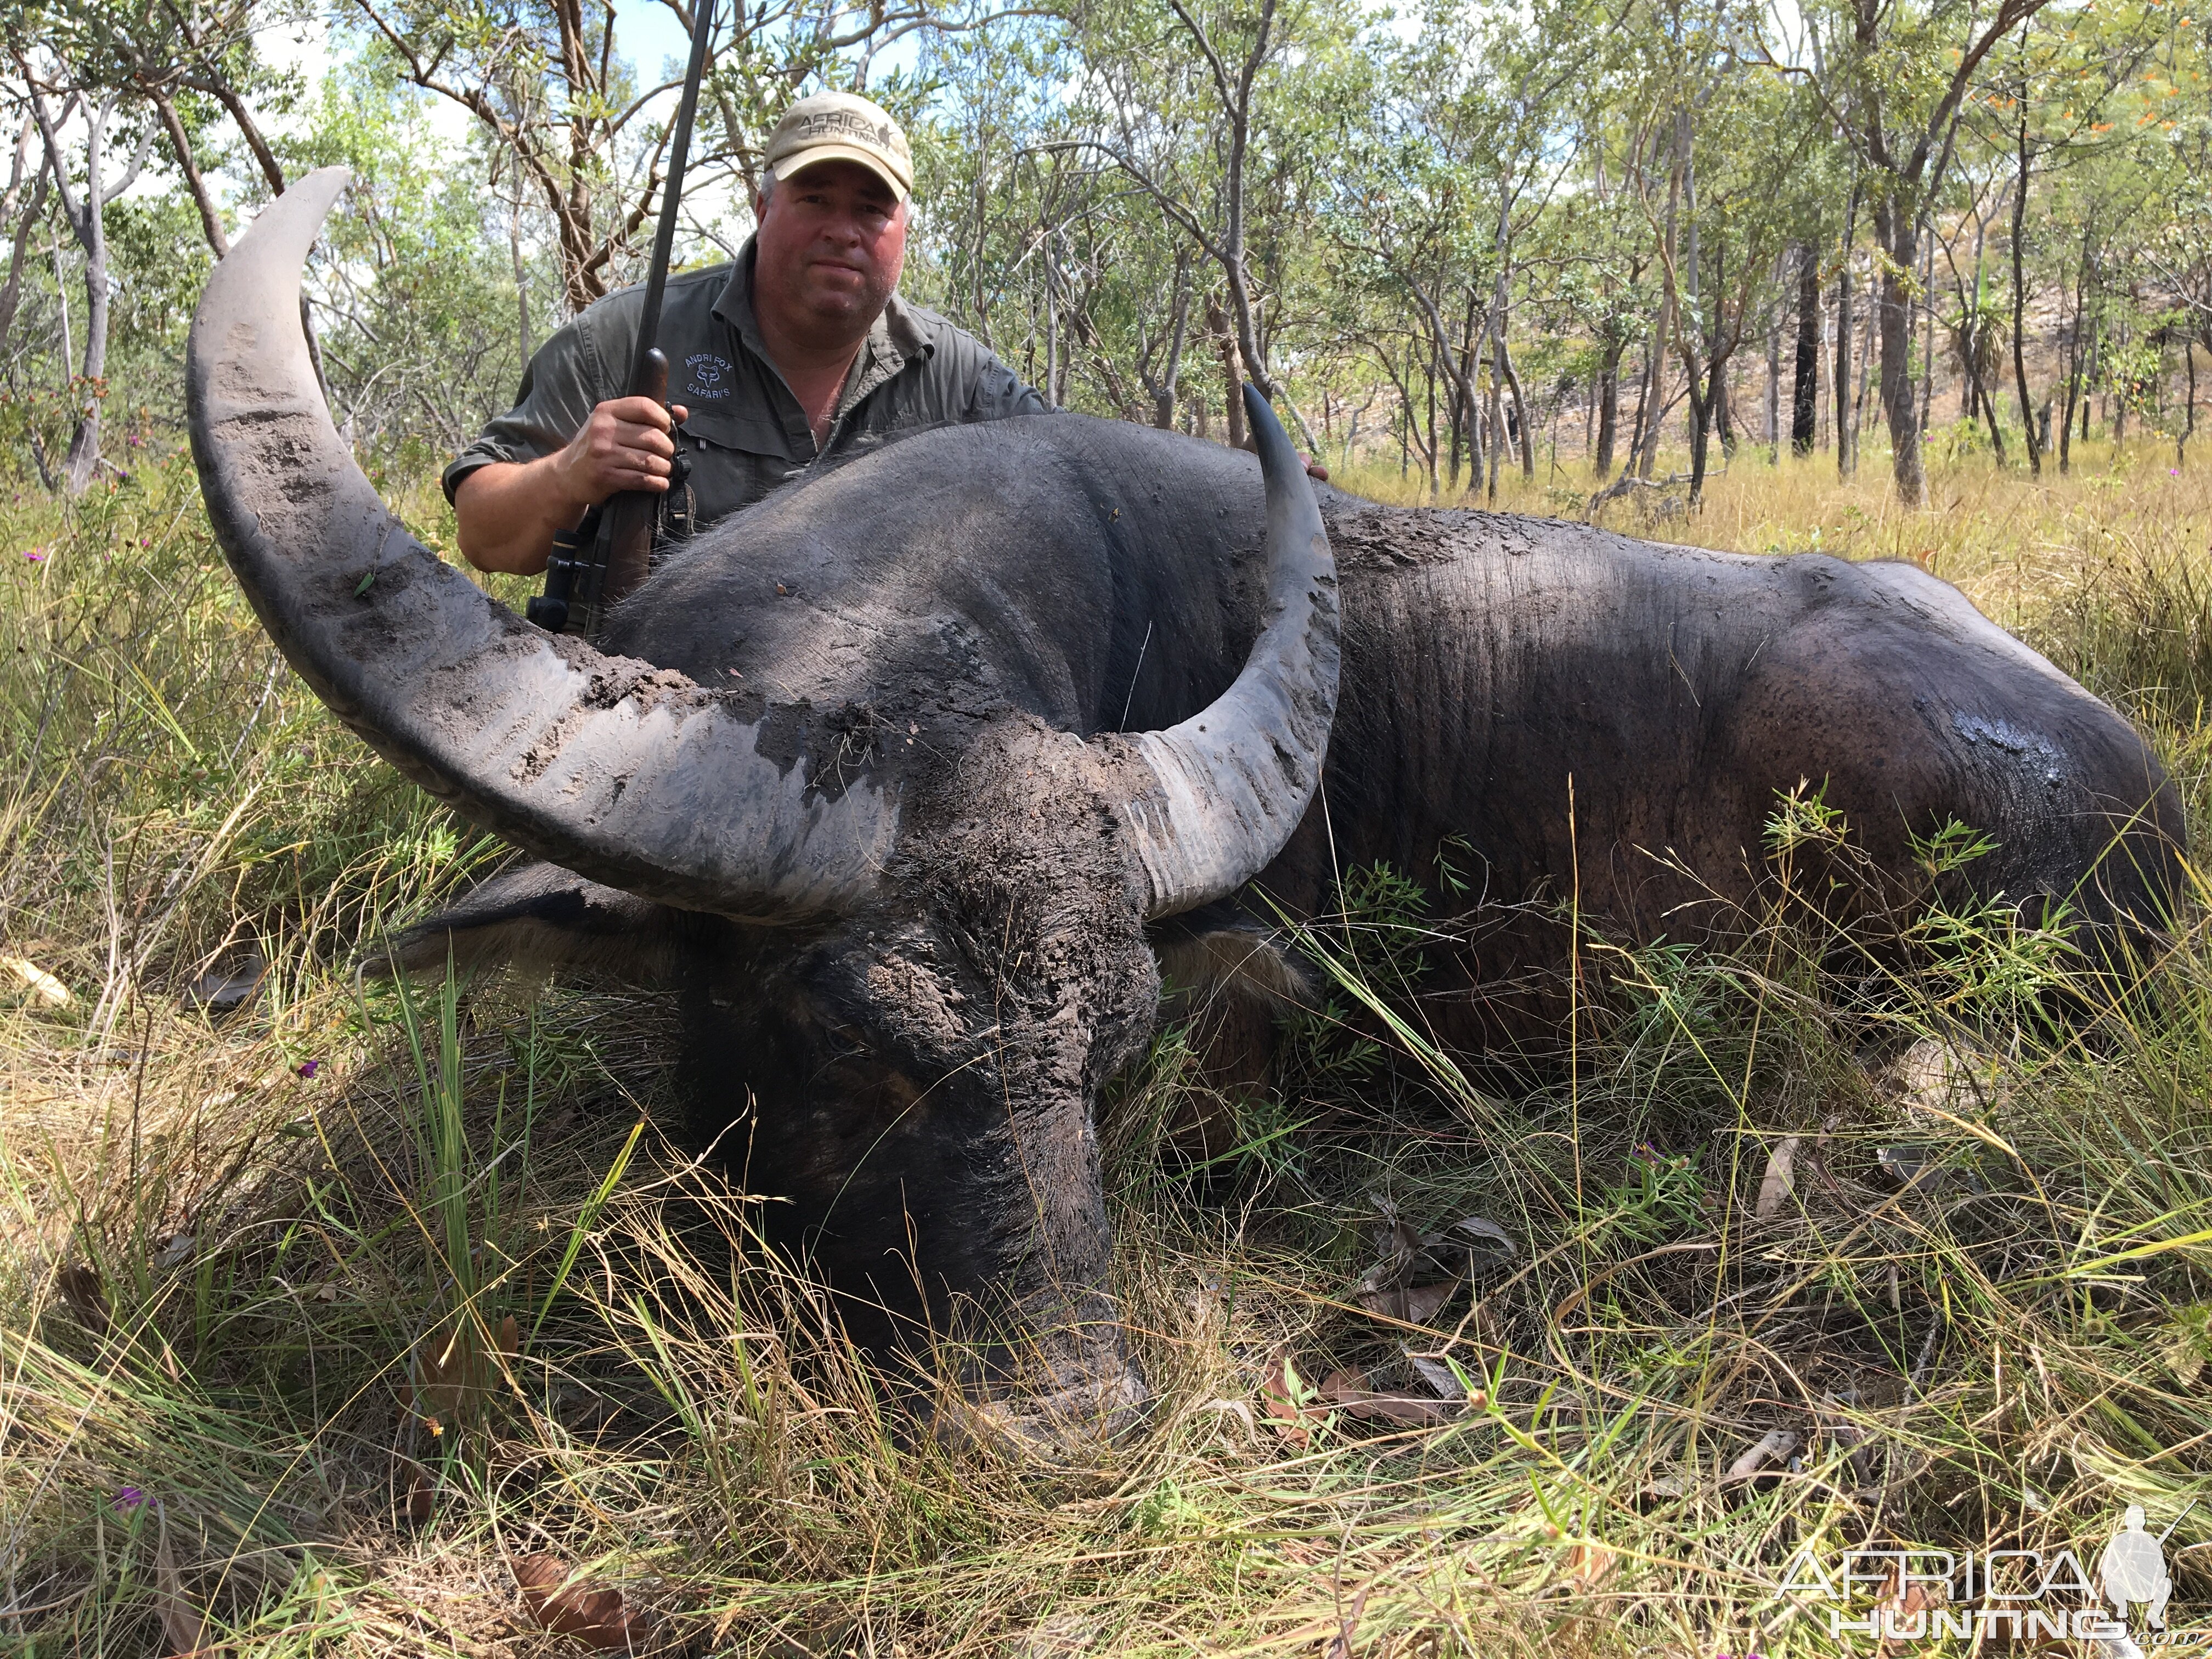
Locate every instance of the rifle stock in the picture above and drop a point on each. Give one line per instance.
(622, 551)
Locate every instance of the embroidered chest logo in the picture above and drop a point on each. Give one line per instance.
(710, 375)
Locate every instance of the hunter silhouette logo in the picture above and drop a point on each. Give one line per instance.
(2003, 1595)
(2132, 1569)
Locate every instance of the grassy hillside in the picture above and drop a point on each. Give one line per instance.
(331, 1319)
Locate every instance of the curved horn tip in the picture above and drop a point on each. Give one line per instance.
(309, 199)
(1258, 410)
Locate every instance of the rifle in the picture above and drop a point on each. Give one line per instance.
(606, 556)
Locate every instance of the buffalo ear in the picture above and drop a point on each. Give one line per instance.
(1217, 952)
(539, 919)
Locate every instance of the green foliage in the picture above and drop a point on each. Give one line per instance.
(1660, 1196)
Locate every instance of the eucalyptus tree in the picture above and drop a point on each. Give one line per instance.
(1894, 77)
(547, 82)
(94, 148)
(1216, 113)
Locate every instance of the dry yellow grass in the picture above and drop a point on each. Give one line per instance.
(257, 1391)
(2013, 543)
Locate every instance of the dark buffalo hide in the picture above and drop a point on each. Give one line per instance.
(1559, 713)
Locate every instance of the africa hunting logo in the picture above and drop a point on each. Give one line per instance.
(2001, 1596)
(843, 123)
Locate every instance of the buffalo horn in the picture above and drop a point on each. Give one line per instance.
(626, 774)
(1228, 785)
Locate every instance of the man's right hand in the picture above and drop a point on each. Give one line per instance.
(624, 445)
(508, 512)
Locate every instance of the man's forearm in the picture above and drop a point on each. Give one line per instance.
(509, 511)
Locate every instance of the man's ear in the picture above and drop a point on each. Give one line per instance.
(541, 918)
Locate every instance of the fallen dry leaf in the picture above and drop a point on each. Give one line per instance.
(1240, 1410)
(1780, 1180)
(420, 1503)
(1439, 1375)
(451, 1370)
(1480, 1227)
(602, 1619)
(1899, 1605)
(1774, 1447)
(86, 1292)
(1590, 1562)
(182, 1627)
(1415, 1304)
(1400, 1253)
(1279, 1400)
(227, 987)
(1340, 1645)
(43, 985)
(1347, 1392)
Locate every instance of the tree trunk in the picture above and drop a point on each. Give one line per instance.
(1505, 366)
(1847, 455)
(1805, 390)
(1609, 412)
(180, 145)
(1643, 407)
(27, 221)
(83, 456)
(87, 216)
(1897, 228)
(1162, 388)
(2116, 395)
(1869, 330)
(242, 118)
(1927, 326)
(1225, 343)
(1774, 382)
(2189, 427)
(1663, 331)
(2019, 311)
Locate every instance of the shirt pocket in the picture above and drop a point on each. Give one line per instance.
(737, 458)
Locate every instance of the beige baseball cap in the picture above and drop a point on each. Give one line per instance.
(842, 126)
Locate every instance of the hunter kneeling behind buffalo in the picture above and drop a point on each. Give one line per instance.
(907, 775)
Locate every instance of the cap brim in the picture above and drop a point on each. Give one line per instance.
(791, 165)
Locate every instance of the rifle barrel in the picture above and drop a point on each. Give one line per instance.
(672, 196)
(577, 594)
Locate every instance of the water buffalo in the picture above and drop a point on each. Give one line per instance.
(852, 772)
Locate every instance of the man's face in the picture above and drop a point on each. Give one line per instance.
(831, 242)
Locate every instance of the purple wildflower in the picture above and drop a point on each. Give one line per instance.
(129, 1499)
(309, 1068)
(36, 556)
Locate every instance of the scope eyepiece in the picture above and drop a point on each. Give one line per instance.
(549, 610)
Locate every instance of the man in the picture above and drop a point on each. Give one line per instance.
(799, 349)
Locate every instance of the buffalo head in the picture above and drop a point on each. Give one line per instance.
(911, 923)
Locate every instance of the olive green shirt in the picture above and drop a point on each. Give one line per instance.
(745, 434)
